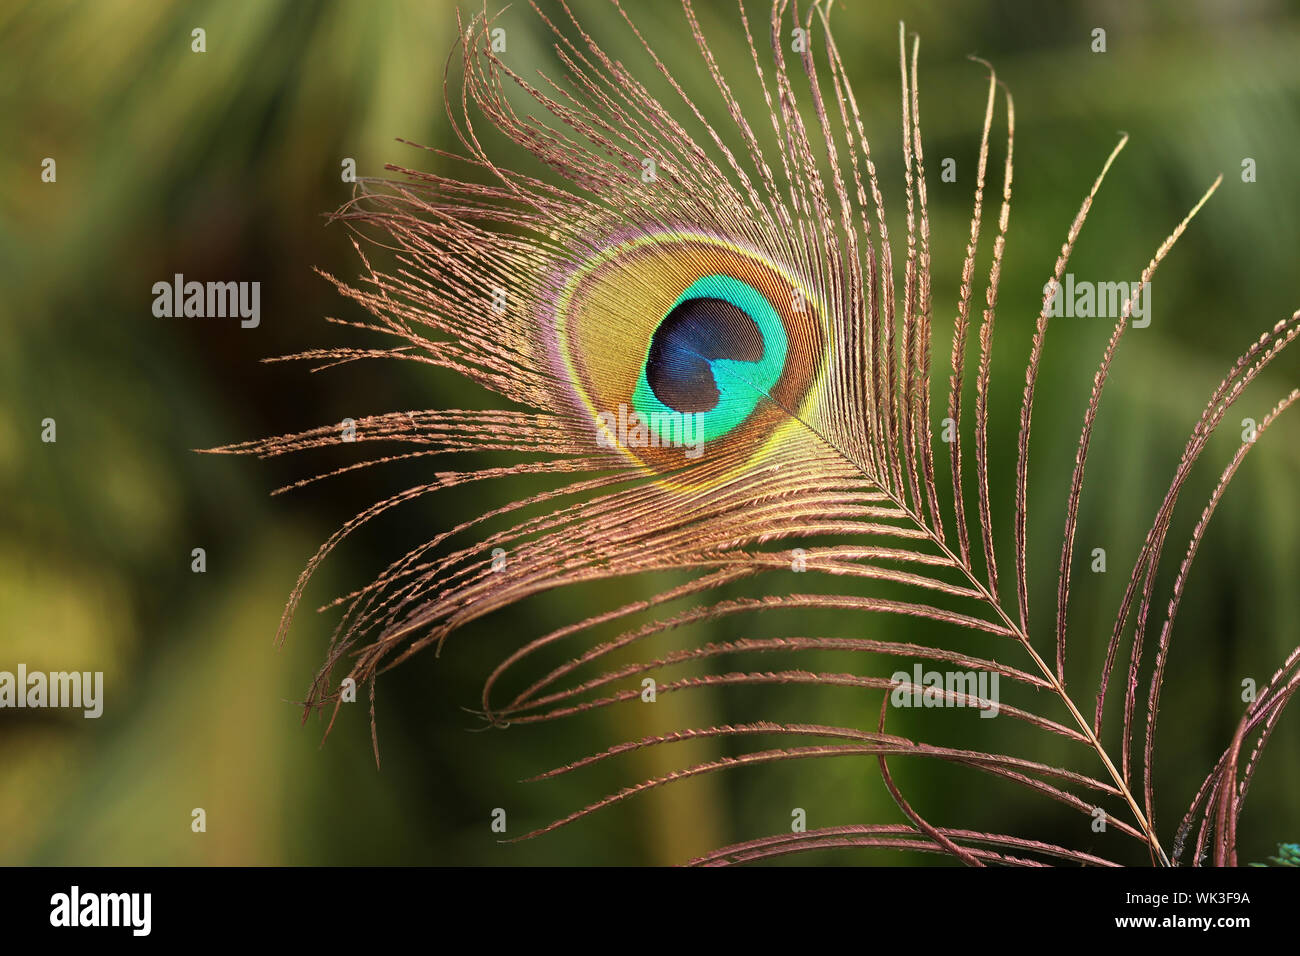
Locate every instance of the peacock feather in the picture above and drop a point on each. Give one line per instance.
(708, 341)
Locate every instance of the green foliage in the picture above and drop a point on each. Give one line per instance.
(1288, 854)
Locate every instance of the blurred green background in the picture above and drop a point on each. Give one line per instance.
(221, 164)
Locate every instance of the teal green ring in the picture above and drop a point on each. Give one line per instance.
(741, 385)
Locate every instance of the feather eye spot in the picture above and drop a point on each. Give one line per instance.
(688, 341)
(694, 334)
(716, 354)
